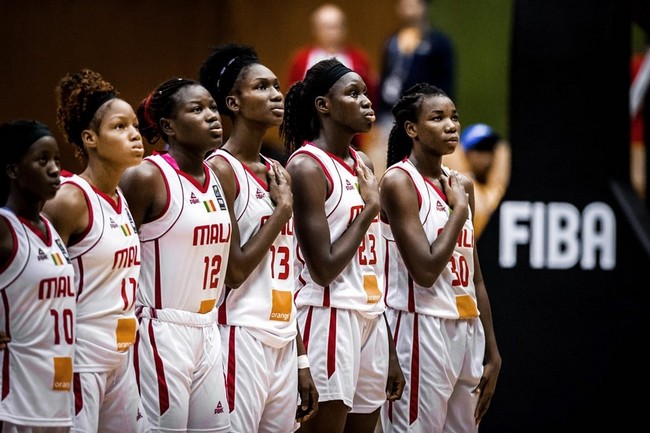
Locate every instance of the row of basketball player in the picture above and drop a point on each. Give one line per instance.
(229, 292)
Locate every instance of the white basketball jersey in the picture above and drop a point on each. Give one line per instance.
(185, 250)
(38, 311)
(453, 294)
(263, 304)
(106, 260)
(360, 285)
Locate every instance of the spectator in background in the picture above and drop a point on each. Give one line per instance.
(485, 157)
(329, 31)
(415, 53)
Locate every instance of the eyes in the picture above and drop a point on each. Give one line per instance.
(265, 86)
(124, 125)
(198, 109)
(44, 159)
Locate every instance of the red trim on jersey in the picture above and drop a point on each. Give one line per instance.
(163, 389)
(353, 155)
(45, 236)
(136, 356)
(415, 373)
(232, 370)
(78, 395)
(262, 183)
(73, 240)
(206, 171)
(325, 172)
(80, 272)
(331, 344)
(156, 278)
(442, 194)
(326, 296)
(5, 354)
(386, 271)
(14, 238)
(116, 206)
(222, 312)
(411, 295)
(307, 331)
(169, 197)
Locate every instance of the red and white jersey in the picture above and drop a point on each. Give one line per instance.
(38, 312)
(185, 250)
(106, 260)
(453, 294)
(360, 285)
(263, 304)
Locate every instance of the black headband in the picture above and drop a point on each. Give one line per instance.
(330, 77)
(18, 136)
(95, 100)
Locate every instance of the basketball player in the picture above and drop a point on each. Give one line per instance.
(36, 285)
(94, 221)
(184, 226)
(438, 307)
(336, 215)
(258, 318)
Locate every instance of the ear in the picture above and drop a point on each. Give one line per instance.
(322, 104)
(11, 170)
(232, 103)
(89, 138)
(410, 129)
(167, 127)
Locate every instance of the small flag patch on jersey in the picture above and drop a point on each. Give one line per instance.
(209, 205)
(58, 260)
(126, 229)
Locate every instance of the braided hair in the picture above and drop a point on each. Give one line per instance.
(301, 122)
(80, 106)
(161, 103)
(223, 67)
(407, 109)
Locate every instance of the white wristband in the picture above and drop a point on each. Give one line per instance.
(303, 362)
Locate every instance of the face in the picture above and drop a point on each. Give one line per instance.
(258, 96)
(480, 162)
(37, 174)
(329, 27)
(411, 11)
(196, 122)
(118, 140)
(437, 127)
(349, 103)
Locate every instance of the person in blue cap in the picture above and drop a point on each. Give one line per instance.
(487, 159)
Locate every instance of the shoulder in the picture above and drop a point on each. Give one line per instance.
(396, 179)
(146, 173)
(70, 199)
